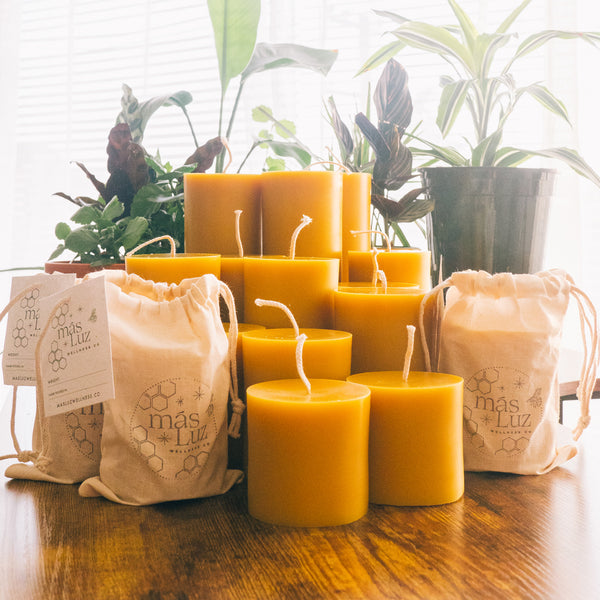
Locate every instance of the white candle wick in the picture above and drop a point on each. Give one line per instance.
(238, 237)
(410, 329)
(156, 239)
(375, 263)
(303, 223)
(284, 308)
(299, 347)
(384, 235)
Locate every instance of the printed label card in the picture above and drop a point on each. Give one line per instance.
(74, 350)
(23, 323)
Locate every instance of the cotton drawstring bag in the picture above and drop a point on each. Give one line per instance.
(65, 447)
(165, 433)
(501, 333)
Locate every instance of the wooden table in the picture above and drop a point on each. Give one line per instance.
(508, 537)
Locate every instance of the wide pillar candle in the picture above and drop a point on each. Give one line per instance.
(304, 285)
(409, 265)
(307, 453)
(170, 268)
(415, 437)
(377, 322)
(356, 216)
(232, 274)
(210, 202)
(271, 354)
(287, 196)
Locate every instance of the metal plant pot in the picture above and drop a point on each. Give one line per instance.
(487, 218)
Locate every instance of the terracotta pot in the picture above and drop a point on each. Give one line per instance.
(80, 269)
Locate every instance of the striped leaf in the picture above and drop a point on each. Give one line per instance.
(451, 103)
(572, 159)
(382, 55)
(546, 98)
(503, 28)
(510, 157)
(468, 30)
(483, 154)
(434, 39)
(390, 15)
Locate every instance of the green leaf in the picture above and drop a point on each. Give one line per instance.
(484, 153)
(468, 30)
(133, 233)
(275, 56)
(285, 128)
(504, 26)
(291, 150)
(546, 99)
(62, 230)
(451, 103)
(262, 114)
(382, 55)
(136, 114)
(235, 25)
(275, 164)
(57, 252)
(86, 215)
(510, 157)
(82, 240)
(113, 210)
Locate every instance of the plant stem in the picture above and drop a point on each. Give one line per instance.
(187, 116)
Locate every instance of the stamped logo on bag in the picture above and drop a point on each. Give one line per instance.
(84, 427)
(174, 426)
(502, 408)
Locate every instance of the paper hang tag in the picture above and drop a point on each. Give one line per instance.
(74, 350)
(24, 325)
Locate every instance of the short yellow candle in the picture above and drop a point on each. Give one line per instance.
(271, 354)
(286, 196)
(304, 285)
(356, 216)
(210, 200)
(307, 453)
(170, 268)
(377, 321)
(415, 437)
(409, 265)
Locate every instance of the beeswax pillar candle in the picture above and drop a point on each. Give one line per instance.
(270, 354)
(409, 265)
(232, 274)
(415, 437)
(307, 452)
(210, 200)
(356, 215)
(377, 320)
(173, 269)
(304, 285)
(286, 196)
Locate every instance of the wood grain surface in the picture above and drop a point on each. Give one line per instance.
(509, 537)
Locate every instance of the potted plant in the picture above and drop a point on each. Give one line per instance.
(488, 215)
(381, 150)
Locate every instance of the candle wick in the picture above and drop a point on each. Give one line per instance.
(224, 142)
(284, 308)
(410, 329)
(384, 235)
(238, 237)
(375, 262)
(156, 239)
(380, 275)
(303, 223)
(299, 366)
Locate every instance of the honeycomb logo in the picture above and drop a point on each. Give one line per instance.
(502, 408)
(19, 335)
(174, 426)
(56, 358)
(84, 427)
(30, 299)
(59, 318)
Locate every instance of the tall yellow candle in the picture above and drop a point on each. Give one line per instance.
(307, 452)
(356, 215)
(232, 274)
(270, 354)
(415, 437)
(377, 320)
(286, 196)
(210, 200)
(305, 285)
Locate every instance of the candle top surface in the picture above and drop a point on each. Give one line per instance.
(366, 290)
(394, 379)
(274, 258)
(243, 327)
(288, 334)
(182, 256)
(367, 287)
(322, 390)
